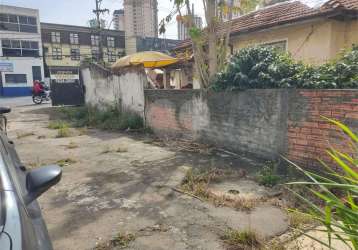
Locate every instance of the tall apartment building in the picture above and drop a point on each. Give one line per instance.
(20, 50)
(118, 19)
(141, 18)
(65, 46)
(183, 32)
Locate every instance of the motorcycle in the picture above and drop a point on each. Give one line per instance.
(39, 98)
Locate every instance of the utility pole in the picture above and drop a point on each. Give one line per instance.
(98, 11)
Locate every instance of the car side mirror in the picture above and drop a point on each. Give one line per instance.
(40, 180)
(4, 110)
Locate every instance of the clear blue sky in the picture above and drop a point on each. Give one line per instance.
(78, 12)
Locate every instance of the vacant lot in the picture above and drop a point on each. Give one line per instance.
(123, 190)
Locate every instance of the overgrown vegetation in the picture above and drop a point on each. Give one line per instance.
(196, 183)
(57, 125)
(63, 132)
(265, 67)
(119, 241)
(111, 118)
(267, 175)
(242, 239)
(339, 193)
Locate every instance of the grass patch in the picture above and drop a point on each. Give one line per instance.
(23, 135)
(66, 162)
(267, 175)
(63, 132)
(111, 118)
(119, 241)
(197, 184)
(242, 239)
(57, 125)
(299, 220)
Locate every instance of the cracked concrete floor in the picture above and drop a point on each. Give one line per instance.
(102, 194)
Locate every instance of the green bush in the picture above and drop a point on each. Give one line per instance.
(110, 118)
(267, 175)
(339, 193)
(265, 67)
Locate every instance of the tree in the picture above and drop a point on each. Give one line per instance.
(211, 44)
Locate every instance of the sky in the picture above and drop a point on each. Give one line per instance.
(78, 12)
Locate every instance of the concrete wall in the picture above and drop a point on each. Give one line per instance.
(104, 88)
(266, 123)
(314, 41)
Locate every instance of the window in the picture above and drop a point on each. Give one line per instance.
(279, 45)
(15, 78)
(56, 37)
(74, 38)
(95, 54)
(112, 57)
(95, 40)
(75, 54)
(110, 41)
(18, 23)
(56, 53)
(20, 48)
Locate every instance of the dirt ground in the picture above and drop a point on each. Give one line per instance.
(104, 192)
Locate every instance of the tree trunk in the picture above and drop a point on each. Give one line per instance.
(212, 38)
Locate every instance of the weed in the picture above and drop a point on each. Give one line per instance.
(66, 162)
(197, 183)
(23, 135)
(242, 239)
(57, 125)
(111, 118)
(267, 175)
(63, 132)
(238, 203)
(119, 241)
(72, 145)
(298, 220)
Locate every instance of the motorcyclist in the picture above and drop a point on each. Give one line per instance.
(38, 88)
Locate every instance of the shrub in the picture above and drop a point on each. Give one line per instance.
(267, 175)
(110, 118)
(242, 239)
(338, 191)
(264, 67)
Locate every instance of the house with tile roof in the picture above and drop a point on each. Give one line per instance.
(312, 35)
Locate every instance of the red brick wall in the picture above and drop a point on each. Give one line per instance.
(310, 137)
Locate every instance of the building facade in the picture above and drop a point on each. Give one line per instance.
(65, 46)
(21, 50)
(183, 32)
(118, 19)
(141, 18)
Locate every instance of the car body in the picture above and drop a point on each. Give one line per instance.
(21, 224)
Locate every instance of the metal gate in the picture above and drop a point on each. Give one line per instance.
(66, 86)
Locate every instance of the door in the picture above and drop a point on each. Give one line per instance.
(36, 73)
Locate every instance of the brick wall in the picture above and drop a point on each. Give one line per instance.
(266, 123)
(309, 135)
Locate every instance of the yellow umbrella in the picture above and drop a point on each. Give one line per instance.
(149, 59)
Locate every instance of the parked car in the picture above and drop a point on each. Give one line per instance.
(21, 224)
